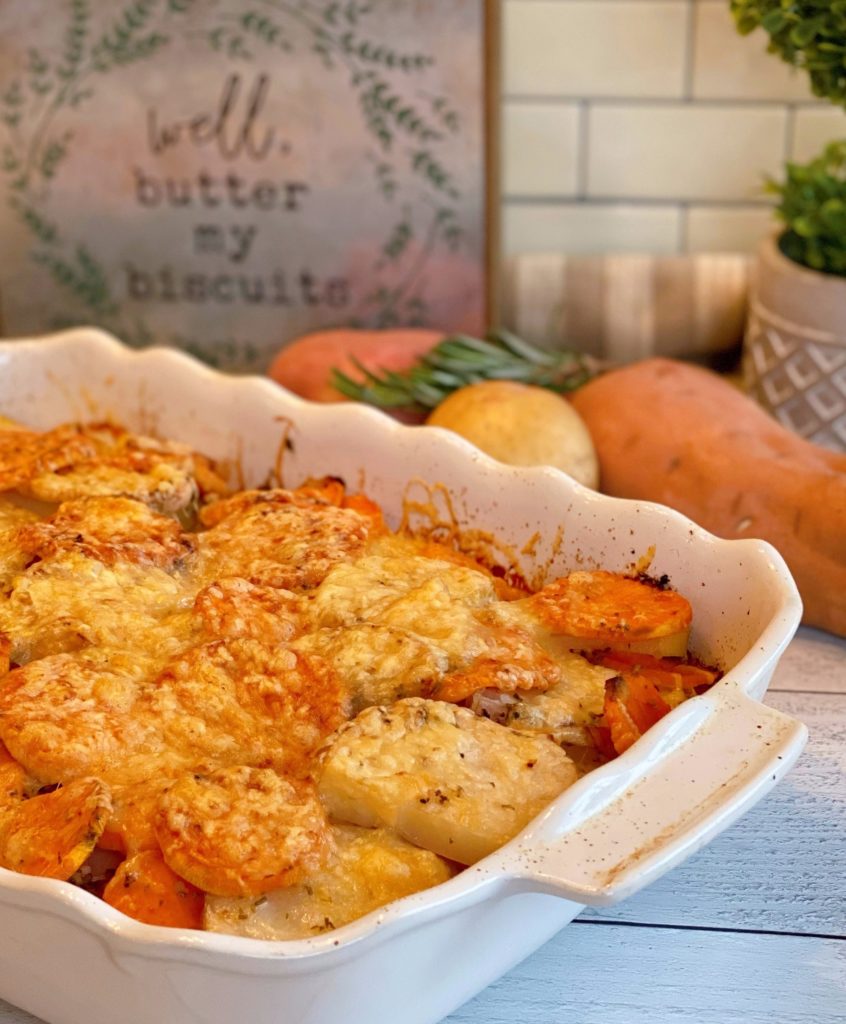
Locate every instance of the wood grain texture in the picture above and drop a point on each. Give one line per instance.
(781, 867)
(627, 306)
(618, 974)
(814, 661)
(737, 935)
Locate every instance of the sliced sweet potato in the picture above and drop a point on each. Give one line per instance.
(675, 680)
(241, 831)
(52, 835)
(632, 705)
(589, 610)
(146, 889)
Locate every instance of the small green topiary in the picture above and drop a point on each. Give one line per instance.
(813, 206)
(809, 34)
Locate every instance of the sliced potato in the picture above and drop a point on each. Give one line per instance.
(376, 664)
(445, 779)
(590, 610)
(73, 461)
(273, 540)
(12, 558)
(52, 835)
(366, 869)
(564, 711)
(376, 588)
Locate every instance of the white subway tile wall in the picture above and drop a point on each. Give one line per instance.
(645, 125)
(682, 150)
(595, 47)
(726, 228)
(728, 66)
(540, 149)
(814, 127)
(590, 228)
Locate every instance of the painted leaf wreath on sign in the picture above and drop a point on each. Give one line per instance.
(45, 109)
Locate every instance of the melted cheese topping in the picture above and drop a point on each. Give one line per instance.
(365, 869)
(196, 674)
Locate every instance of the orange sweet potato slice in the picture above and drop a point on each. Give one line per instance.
(603, 609)
(512, 662)
(233, 607)
(674, 679)
(12, 780)
(369, 509)
(632, 705)
(130, 827)
(52, 835)
(146, 889)
(241, 831)
(332, 491)
(328, 488)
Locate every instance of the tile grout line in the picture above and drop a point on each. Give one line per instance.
(704, 102)
(562, 199)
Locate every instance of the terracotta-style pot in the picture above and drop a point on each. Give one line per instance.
(794, 358)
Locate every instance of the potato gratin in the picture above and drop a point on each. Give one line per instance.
(265, 713)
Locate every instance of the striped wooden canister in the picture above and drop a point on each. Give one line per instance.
(624, 307)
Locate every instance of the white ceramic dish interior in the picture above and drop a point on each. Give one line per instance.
(70, 959)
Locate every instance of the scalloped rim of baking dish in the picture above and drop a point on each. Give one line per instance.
(501, 870)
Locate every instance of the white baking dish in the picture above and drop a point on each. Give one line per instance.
(70, 959)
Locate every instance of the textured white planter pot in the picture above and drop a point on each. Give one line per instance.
(795, 346)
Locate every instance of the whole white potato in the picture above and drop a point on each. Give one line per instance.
(521, 425)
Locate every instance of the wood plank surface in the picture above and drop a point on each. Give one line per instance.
(814, 661)
(749, 931)
(715, 941)
(782, 867)
(621, 974)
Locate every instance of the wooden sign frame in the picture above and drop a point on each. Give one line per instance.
(129, 36)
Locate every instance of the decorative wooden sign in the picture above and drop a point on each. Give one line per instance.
(223, 176)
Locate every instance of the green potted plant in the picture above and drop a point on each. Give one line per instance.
(795, 345)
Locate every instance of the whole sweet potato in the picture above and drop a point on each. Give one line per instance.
(305, 366)
(672, 433)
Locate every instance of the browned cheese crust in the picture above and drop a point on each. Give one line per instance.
(185, 668)
(241, 831)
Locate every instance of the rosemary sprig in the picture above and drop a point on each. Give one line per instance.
(459, 360)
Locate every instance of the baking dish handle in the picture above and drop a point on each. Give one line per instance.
(699, 770)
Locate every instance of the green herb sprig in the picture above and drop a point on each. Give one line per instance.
(812, 204)
(460, 360)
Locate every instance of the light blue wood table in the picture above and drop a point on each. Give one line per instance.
(752, 930)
